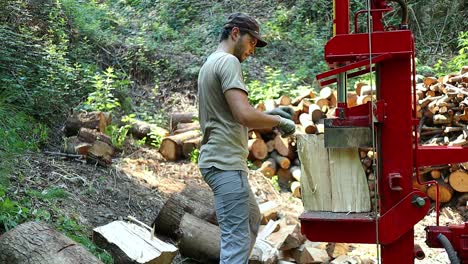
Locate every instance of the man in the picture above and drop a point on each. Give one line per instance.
(225, 116)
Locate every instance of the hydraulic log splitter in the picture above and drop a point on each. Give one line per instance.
(390, 123)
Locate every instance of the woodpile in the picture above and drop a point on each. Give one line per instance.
(443, 111)
(184, 138)
(85, 136)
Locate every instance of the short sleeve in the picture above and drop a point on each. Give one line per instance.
(229, 72)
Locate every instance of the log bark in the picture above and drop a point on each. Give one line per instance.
(315, 112)
(39, 243)
(168, 220)
(459, 181)
(257, 149)
(306, 94)
(171, 147)
(90, 135)
(200, 240)
(72, 145)
(282, 145)
(130, 243)
(283, 162)
(92, 120)
(101, 152)
(141, 129)
(177, 118)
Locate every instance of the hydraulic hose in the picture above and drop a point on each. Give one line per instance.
(452, 254)
(404, 13)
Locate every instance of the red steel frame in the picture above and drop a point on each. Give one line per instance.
(401, 206)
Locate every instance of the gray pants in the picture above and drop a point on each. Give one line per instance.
(237, 212)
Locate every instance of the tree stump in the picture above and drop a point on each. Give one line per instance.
(38, 243)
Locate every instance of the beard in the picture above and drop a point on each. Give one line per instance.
(239, 51)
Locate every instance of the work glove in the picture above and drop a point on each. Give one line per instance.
(286, 127)
(283, 111)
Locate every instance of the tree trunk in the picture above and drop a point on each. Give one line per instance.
(92, 120)
(141, 129)
(38, 243)
(171, 147)
(200, 240)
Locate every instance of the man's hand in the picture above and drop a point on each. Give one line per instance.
(286, 127)
(283, 111)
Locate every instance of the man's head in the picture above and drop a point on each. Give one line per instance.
(243, 32)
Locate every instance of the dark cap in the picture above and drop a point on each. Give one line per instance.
(246, 23)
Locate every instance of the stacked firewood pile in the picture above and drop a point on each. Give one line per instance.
(443, 111)
(84, 136)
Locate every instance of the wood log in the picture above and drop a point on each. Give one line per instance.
(130, 243)
(263, 252)
(363, 99)
(315, 112)
(171, 147)
(284, 100)
(39, 243)
(332, 99)
(323, 103)
(428, 81)
(416, 185)
(297, 113)
(260, 107)
(72, 145)
(307, 124)
(184, 127)
(445, 191)
(141, 129)
(284, 176)
(335, 250)
(296, 189)
(351, 99)
(282, 145)
(101, 152)
(179, 117)
(90, 135)
(459, 181)
(315, 171)
(283, 162)
(189, 145)
(326, 92)
(303, 95)
(358, 86)
(304, 105)
(200, 240)
(270, 104)
(368, 90)
(92, 120)
(350, 192)
(435, 174)
(192, 201)
(268, 168)
(288, 237)
(306, 254)
(257, 149)
(270, 145)
(296, 172)
(268, 211)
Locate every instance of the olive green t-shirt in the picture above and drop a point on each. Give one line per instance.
(224, 142)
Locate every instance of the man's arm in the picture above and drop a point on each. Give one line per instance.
(245, 114)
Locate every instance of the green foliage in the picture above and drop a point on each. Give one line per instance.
(117, 134)
(458, 61)
(102, 98)
(11, 212)
(194, 155)
(49, 194)
(275, 183)
(155, 138)
(276, 84)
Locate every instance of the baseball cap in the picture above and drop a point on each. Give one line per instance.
(246, 23)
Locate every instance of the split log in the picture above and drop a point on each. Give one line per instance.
(288, 237)
(284, 100)
(263, 252)
(297, 113)
(459, 181)
(130, 243)
(303, 95)
(315, 112)
(315, 181)
(270, 104)
(304, 105)
(445, 191)
(335, 250)
(90, 135)
(326, 92)
(257, 149)
(39, 243)
(282, 145)
(350, 192)
(92, 120)
(189, 145)
(296, 189)
(307, 124)
(323, 103)
(141, 129)
(72, 145)
(171, 147)
(176, 118)
(351, 99)
(268, 168)
(305, 254)
(200, 240)
(268, 211)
